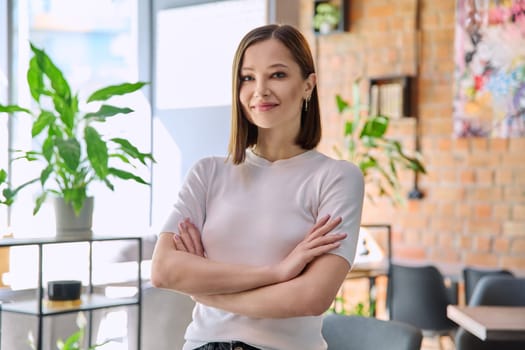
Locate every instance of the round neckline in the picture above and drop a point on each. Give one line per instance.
(255, 159)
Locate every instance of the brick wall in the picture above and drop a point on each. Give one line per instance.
(473, 212)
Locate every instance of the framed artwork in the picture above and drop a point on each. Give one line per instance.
(489, 57)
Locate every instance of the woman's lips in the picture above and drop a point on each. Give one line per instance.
(263, 107)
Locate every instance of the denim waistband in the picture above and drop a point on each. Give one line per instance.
(232, 345)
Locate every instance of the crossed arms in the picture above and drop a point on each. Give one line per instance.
(304, 283)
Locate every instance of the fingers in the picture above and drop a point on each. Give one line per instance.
(179, 244)
(195, 237)
(324, 226)
(324, 244)
(188, 239)
(319, 223)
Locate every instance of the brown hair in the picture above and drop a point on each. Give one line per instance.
(243, 134)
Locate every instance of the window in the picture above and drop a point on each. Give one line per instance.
(95, 43)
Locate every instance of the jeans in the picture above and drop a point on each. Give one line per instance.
(233, 345)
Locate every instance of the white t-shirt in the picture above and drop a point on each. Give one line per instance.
(255, 213)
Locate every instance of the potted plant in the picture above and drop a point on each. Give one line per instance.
(378, 156)
(326, 17)
(72, 153)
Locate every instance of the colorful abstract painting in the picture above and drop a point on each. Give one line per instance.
(489, 91)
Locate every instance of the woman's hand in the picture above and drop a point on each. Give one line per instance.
(188, 239)
(316, 243)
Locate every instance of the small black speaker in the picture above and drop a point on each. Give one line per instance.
(64, 290)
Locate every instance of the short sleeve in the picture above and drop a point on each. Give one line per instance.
(191, 199)
(342, 195)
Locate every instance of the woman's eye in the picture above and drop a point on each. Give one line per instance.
(279, 75)
(246, 78)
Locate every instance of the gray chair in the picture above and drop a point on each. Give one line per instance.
(499, 291)
(472, 275)
(418, 296)
(343, 332)
(165, 316)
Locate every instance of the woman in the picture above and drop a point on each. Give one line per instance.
(263, 240)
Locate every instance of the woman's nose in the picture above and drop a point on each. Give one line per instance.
(261, 89)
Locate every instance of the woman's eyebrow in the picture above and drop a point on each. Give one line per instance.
(275, 65)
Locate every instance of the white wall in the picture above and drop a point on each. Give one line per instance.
(192, 86)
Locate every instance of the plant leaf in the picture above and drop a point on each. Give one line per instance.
(114, 90)
(107, 111)
(44, 175)
(76, 197)
(47, 148)
(35, 79)
(10, 194)
(39, 201)
(48, 67)
(73, 341)
(128, 148)
(349, 128)
(97, 151)
(13, 109)
(375, 126)
(126, 175)
(64, 111)
(342, 105)
(69, 151)
(44, 120)
(369, 141)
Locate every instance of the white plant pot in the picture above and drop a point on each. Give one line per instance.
(68, 224)
(325, 28)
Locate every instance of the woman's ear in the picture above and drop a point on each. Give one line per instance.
(310, 81)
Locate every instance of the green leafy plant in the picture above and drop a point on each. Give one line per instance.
(379, 157)
(73, 152)
(366, 309)
(326, 14)
(8, 194)
(75, 341)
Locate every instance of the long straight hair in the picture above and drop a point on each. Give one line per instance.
(243, 133)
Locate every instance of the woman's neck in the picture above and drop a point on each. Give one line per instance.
(277, 152)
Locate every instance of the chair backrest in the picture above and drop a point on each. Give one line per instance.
(343, 332)
(472, 275)
(418, 296)
(498, 290)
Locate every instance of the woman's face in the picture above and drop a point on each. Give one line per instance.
(272, 87)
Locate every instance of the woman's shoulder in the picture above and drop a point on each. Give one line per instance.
(339, 165)
(210, 163)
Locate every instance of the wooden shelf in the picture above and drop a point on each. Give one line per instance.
(393, 96)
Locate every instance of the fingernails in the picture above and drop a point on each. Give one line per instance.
(182, 225)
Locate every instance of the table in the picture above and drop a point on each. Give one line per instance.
(490, 322)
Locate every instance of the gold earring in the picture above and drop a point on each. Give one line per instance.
(306, 100)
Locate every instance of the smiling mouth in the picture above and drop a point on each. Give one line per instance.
(264, 106)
